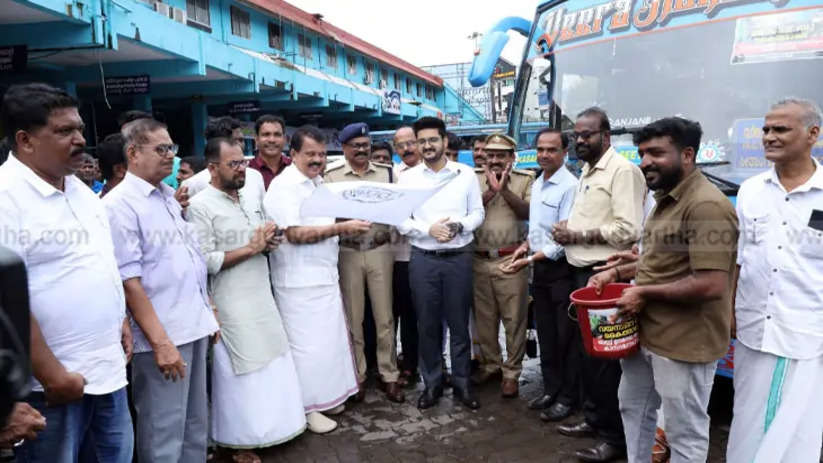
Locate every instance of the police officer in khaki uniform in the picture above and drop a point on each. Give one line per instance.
(498, 295)
(365, 264)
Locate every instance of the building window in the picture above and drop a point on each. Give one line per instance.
(197, 11)
(331, 56)
(419, 89)
(429, 92)
(396, 81)
(275, 36)
(352, 64)
(408, 86)
(304, 42)
(384, 78)
(240, 23)
(369, 73)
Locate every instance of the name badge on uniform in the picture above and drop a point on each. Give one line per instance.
(816, 220)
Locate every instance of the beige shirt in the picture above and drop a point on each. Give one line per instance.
(609, 198)
(501, 227)
(379, 234)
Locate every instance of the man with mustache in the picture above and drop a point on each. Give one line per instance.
(606, 217)
(254, 381)
(478, 143)
(405, 145)
(365, 264)
(778, 358)
(440, 268)
(58, 228)
(164, 276)
(381, 153)
(682, 300)
(304, 274)
(270, 138)
(500, 296)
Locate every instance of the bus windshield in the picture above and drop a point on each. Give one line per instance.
(719, 62)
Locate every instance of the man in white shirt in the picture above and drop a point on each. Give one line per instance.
(405, 145)
(255, 390)
(778, 363)
(164, 276)
(440, 268)
(307, 285)
(57, 225)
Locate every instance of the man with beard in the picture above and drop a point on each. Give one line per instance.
(683, 295)
(405, 145)
(270, 137)
(498, 296)
(164, 276)
(778, 358)
(559, 337)
(440, 268)
(254, 381)
(606, 217)
(58, 228)
(477, 151)
(365, 264)
(306, 283)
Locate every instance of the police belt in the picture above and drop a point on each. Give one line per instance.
(378, 240)
(496, 253)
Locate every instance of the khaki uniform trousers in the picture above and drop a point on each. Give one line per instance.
(372, 270)
(498, 296)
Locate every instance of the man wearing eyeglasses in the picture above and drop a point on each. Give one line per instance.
(365, 264)
(606, 217)
(164, 276)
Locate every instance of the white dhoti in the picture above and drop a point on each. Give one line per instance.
(315, 324)
(257, 409)
(778, 414)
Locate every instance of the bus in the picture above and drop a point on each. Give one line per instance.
(719, 62)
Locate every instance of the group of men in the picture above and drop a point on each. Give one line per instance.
(227, 263)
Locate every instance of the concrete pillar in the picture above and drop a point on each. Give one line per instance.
(200, 117)
(143, 103)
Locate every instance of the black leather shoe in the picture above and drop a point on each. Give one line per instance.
(542, 402)
(602, 452)
(466, 398)
(557, 412)
(582, 429)
(429, 398)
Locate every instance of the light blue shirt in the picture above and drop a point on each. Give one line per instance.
(551, 203)
(153, 242)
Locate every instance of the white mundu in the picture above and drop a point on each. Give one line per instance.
(307, 290)
(255, 389)
(778, 414)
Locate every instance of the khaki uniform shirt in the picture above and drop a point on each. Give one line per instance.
(502, 227)
(609, 198)
(375, 172)
(693, 227)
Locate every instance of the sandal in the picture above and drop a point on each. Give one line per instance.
(661, 452)
(245, 456)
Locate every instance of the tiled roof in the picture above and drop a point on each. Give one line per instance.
(309, 21)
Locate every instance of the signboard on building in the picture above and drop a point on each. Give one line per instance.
(128, 85)
(13, 59)
(242, 107)
(778, 37)
(391, 101)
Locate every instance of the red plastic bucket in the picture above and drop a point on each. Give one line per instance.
(602, 336)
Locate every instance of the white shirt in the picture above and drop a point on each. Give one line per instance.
(254, 188)
(74, 287)
(551, 202)
(779, 301)
(155, 244)
(459, 201)
(299, 265)
(400, 242)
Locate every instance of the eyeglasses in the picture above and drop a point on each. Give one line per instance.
(360, 146)
(585, 135)
(164, 150)
(406, 144)
(428, 141)
(236, 164)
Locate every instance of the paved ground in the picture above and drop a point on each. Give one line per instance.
(502, 430)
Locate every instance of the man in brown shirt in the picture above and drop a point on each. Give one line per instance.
(498, 295)
(270, 137)
(682, 298)
(365, 264)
